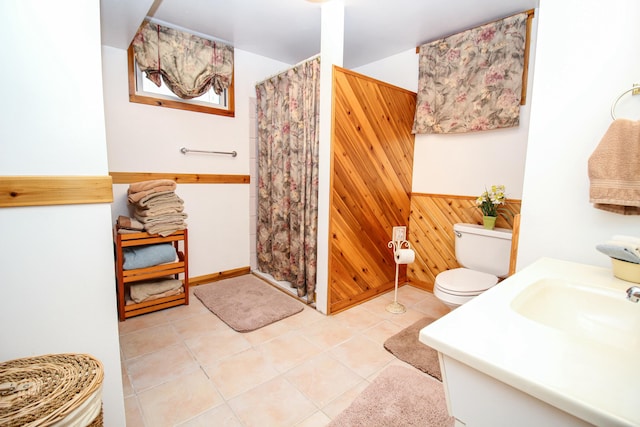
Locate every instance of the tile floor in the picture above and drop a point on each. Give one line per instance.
(184, 367)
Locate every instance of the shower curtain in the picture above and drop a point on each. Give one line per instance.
(288, 119)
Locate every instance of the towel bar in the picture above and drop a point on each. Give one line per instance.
(613, 106)
(184, 150)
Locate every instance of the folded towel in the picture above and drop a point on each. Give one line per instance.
(175, 217)
(129, 223)
(147, 255)
(164, 229)
(139, 190)
(159, 198)
(140, 291)
(136, 187)
(618, 252)
(614, 169)
(169, 208)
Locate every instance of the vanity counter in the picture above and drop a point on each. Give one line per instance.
(592, 376)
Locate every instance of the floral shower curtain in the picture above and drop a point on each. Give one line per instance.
(288, 119)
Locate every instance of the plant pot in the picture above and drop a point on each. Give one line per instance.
(489, 222)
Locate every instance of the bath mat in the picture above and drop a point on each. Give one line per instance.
(247, 303)
(406, 347)
(399, 396)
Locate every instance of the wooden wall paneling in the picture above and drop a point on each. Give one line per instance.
(431, 232)
(48, 190)
(372, 161)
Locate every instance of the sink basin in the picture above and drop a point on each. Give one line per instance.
(593, 313)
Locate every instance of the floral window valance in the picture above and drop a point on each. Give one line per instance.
(189, 65)
(472, 81)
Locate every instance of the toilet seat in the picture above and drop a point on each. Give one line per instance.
(464, 282)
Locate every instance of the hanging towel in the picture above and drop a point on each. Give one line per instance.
(614, 169)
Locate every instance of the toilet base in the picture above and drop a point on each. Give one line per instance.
(396, 308)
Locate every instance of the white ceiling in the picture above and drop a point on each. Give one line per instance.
(289, 30)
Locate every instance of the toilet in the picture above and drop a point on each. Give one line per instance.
(484, 256)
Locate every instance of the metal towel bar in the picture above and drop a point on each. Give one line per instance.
(184, 150)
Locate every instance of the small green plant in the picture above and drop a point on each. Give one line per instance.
(489, 202)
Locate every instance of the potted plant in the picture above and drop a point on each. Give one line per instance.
(489, 203)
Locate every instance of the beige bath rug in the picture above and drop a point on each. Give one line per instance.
(399, 396)
(247, 303)
(406, 346)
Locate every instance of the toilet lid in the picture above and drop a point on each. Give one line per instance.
(463, 281)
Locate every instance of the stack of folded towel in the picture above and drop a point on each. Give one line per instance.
(127, 225)
(157, 207)
(623, 248)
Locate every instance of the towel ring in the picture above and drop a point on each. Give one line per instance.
(613, 106)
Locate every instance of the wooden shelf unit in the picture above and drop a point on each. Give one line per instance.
(125, 277)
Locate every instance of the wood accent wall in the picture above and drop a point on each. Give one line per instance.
(431, 232)
(372, 167)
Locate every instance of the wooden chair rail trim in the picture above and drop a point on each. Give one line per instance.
(527, 48)
(45, 190)
(452, 196)
(180, 178)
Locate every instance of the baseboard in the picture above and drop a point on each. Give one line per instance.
(214, 277)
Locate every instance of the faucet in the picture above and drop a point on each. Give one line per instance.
(633, 294)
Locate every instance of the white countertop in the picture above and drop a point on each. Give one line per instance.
(586, 378)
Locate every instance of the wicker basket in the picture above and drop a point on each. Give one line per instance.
(54, 389)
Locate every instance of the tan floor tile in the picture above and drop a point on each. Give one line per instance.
(179, 400)
(407, 318)
(240, 372)
(432, 306)
(267, 333)
(408, 295)
(322, 378)
(221, 343)
(220, 416)
(137, 323)
(382, 331)
(318, 419)
(159, 367)
(148, 340)
(287, 351)
(358, 318)
(199, 324)
(132, 412)
(362, 355)
(275, 403)
(328, 332)
(342, 402)
(127, 388)
(303, 319)
(194, 308)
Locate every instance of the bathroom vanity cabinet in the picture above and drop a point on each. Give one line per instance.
(551, 345)
(177, 269)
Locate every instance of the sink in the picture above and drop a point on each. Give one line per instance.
(587, 312)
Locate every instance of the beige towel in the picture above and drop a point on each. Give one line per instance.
(614, 169)
(137, 187)
(129, 223)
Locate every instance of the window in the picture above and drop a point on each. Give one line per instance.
(143, 91)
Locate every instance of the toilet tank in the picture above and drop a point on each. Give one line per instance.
(483, 250)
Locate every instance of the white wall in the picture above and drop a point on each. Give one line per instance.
(586, 58)
(461, 164)
(58, 293)
(144, 138)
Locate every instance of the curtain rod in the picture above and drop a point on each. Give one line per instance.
(186, 30)
(530, 14)
(311, 58)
